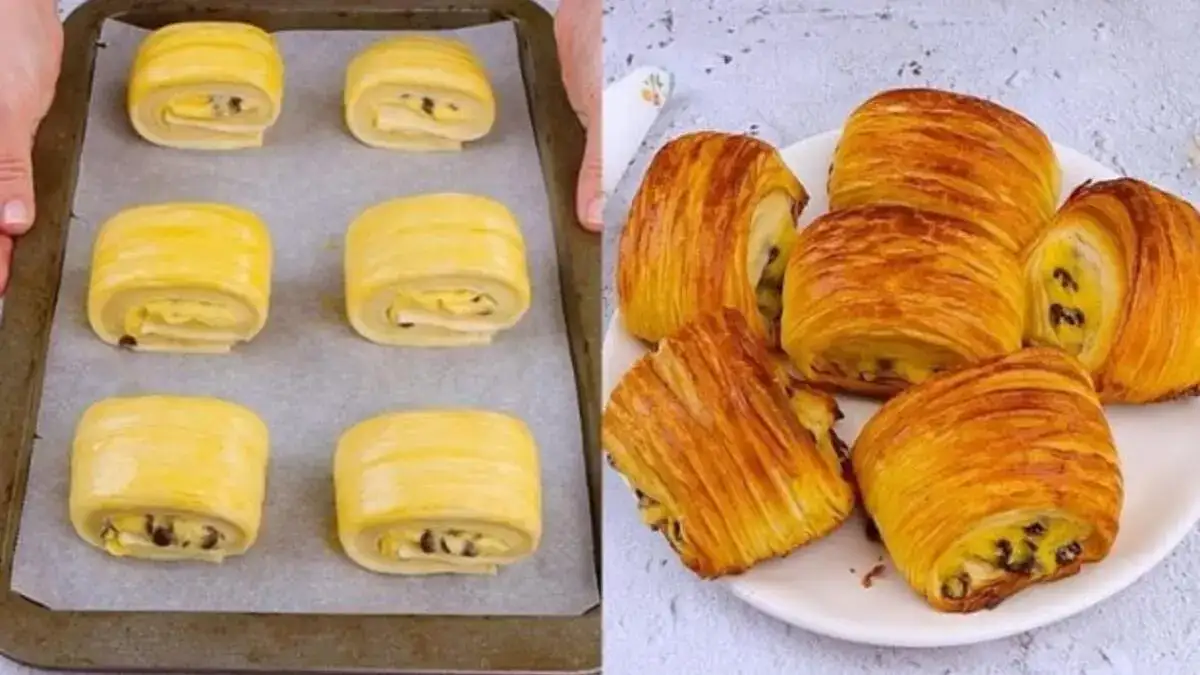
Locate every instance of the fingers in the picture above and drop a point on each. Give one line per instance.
(6, 248)
(16, 179)
(589, 197)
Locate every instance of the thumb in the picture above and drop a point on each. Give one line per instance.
(589, 198)
(16, 178)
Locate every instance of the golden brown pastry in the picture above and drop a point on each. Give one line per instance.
(950, 153)
(711, 226)
(1115, 280)
(990, 479)
(732, 463)
(878, 298)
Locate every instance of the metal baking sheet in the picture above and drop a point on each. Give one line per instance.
(556, 632)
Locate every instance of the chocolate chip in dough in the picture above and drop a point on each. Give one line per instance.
(1065, 279)
(1004, 551)
(469, 550)
(452, 106)
(407, 324)
(127, 342)
(163, 536)
(445, 547)
(1056, 314)
(772, 254)
(886, 365)
(1077, 317)
(478, 298)
(428, 542)
(235, 104)
(1067, 554)
(427, 105)
(1035, 529)
(211, 536)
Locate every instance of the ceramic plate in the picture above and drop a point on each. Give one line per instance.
(819, 587)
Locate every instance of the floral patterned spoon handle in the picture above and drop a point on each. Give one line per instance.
(631, 105)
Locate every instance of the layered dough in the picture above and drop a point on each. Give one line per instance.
(206, 86)
(438, 491)
(879, 298)
(985, 481)
(180, 277)
(729, 459)
(711, 226)
(418, 93)
(1115, 281)
(435, 270)
(169, 477)
(951, 154)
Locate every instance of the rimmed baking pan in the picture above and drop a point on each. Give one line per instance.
(126, 641)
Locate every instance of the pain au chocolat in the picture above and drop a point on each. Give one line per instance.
(1115, 280)
(883, 297)
(729, 459)
(950, 153)
(710, 226)
(988, 480)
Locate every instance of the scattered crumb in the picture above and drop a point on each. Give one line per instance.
(853, 571)
(869, 578)
(727, 58)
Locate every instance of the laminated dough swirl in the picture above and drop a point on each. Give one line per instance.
(169, 478)
(418, 93)
(988, 480)
(1115, 280)
(880, 298)
(435, 270)
(438, 492)
(729, 459)
(950, 153)
(206, 86)
(711, 226)
(180, 277)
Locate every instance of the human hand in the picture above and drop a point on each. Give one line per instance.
(30, 56)
(577, 29)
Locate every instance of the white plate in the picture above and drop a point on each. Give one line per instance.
(814, 587)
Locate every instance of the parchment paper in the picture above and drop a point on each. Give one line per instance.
(308, 374)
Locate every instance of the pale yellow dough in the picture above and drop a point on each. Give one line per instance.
(435, 270)
(169, 477)
(418, 93)
(206, 86)
(437, 492)
(180, 278)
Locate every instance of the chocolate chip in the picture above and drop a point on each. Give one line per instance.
(1056, 314)
(211, 536)
(469, 550)
(478, 298)
(127, 341)
(452, 106)
(677, 530)
(1067, 554)
(886, 365)
(1035, 529)
(444, 546)
(1077, 317)
(235, 104)
(427, 105)
(407, 324)
(772, 254)
(428, 542)
(1004, 551)
(162, 536)
(1065, 279)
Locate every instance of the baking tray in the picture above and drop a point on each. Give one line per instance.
(293, 643)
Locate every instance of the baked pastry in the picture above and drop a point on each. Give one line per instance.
(1115, 280)
(950, 153)
(736, 464)
(984, 481)
(180, 277)
(418, 93)
(878, 298)
(169, 477)
(206, 86)
(711, 226)
(435, 270)
(438, 491)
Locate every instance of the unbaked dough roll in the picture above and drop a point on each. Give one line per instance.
(435, 270)
(206, 86)
(1115, 280)
(169, 477)
(438, 491)
(183, 277)
(419, 93)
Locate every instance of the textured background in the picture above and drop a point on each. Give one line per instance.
(1117, 80)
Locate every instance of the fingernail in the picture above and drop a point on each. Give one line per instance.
(15, 214)
(595, 211)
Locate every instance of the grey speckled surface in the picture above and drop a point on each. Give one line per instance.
(1087, 73)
